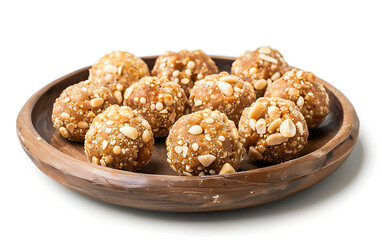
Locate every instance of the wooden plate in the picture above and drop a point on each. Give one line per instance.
(156, 187)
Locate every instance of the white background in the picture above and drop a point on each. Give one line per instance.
(338, 41)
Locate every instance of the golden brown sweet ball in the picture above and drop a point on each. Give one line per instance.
(204, 143)
(260, 67)
(273, 130)
(306, 92)
(160, 101)
(226, 93)
(119, 138)
(117, 71)
(184, 67)
(77, 106)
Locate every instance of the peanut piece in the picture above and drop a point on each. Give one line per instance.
(287, 128)
(227, 168)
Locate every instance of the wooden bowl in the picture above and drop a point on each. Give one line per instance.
(156, 187)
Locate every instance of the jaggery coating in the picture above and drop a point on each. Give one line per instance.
(117, 71)
(227, 93)
(273, 130)
(303, 89)
(260, 67)
(204, 143)
(77, 106)
(184, 67)
(119, 138)
(160, 101)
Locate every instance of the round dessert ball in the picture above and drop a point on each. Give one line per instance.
(77, 106)
(204, 143)
(119, 138)
(273, 130)
(184, 67)
(160, 101)
(260, 67)
(303, 89)
(226, 93)
(117, 71)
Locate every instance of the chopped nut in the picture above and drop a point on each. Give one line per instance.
(274, 125)
(91, 115)
(143, 100)
(195, 130)
(300, 128)
(146, 124)
(119, 87)
(209, 120)
(91, 132)
(96, 102)
(168, 101)
(226, 88)
(110, 69)
(293, 92)
(260, 126)
(276, 139)
(198, 103)
(299, 73)
(300, 101)
(265, 50)
(287, 128)
(70, 127)
(114, 116)
(185, 81)
(260, 84)
(117, 150)
(254, 154)
(146, 136)
(175, 73)
(275, 76)
(83, 124)
(104, 144)
(178, 149)
(229, 79)
(65, 115)
(227, 168)
(195, 146)
(95, 160)
(256, 110)
(206, 160)
(103, 163)
(129, 132)
(252, 124)
(191, 65)
(159, 106)
(297, 85)
(172, 117)
(185, 150)
(64, 132)
(109, 159)
(128, 92)
(273, 110)
(235, 133)
(267, 58)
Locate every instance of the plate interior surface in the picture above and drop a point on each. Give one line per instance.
(41, 119)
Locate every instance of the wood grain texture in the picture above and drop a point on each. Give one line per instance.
(156, 187)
